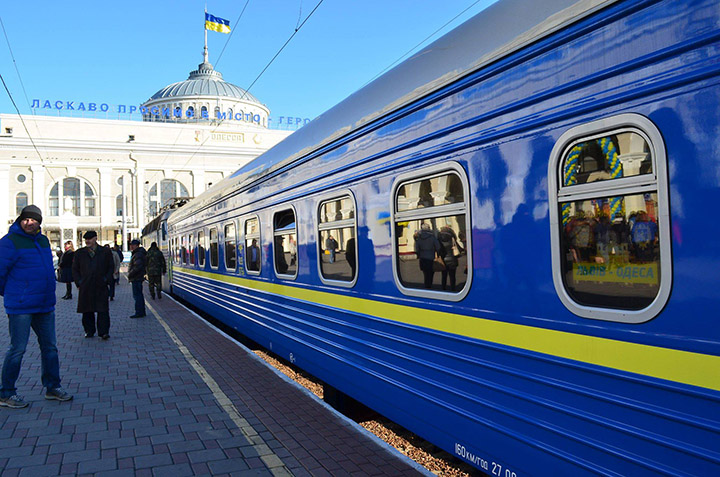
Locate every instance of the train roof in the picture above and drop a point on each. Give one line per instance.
(492, 34)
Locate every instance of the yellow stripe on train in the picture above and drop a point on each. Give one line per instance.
(686, 367)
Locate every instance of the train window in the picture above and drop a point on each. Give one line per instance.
(430, 233)
(252, 245)
(184, 250)
(201, 249)
(191, 248)
(609, 219)
(230, 250)
(337, 247)
(285, 243)
(213, 248)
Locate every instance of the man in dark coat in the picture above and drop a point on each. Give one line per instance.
(27, 283)
(156, 268)
(136, 276)
(93, 268)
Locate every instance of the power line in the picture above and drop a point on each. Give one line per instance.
(237, 22)
(247, 90)
(258, 77)
(15, 63)
(416, 46)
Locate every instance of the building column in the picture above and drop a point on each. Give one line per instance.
(198, 184)
(38, 196)
(107, 201)
(141, 198)
(5, 199)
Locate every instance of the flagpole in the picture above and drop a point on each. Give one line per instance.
(205, 50)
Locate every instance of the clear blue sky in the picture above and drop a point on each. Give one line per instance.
(123, 52)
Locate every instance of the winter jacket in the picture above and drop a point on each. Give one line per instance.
(92, 275)
(426, 245)
(155, 261)
(66, 266)
(27, 275)
(138, 265)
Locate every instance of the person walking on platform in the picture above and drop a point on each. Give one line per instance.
(136, 276)
(65, 268)
(116, 272)
(93, 268)
(121, 256)
(156, 267)
(27, 283)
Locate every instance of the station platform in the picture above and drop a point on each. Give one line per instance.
(169, 395)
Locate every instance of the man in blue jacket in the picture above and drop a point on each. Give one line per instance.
(27, 283)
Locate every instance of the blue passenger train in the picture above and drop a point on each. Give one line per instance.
(503, 244)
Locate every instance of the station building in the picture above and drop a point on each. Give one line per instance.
(111, 175)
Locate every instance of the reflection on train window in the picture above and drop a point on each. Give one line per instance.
(213, 248)
(201, 249)
(183, 250)
(431, 224)
(430, 192)
(625, 154)
(191, 248)
(611, 251)
(252, 245)
(285, 243)
(337, 247)
(230, 251)
(610, 235)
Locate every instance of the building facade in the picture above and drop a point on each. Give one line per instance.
(109, 175)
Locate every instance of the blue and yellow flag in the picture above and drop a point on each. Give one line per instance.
(216, 24)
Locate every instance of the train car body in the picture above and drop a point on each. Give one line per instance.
(157, 231)
(503, 244)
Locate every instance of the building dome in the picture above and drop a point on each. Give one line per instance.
(204, 81)
(205, 97)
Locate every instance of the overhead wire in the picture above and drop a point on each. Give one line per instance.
(232, 32)
(22, 84)
(297, 28)
(418, 45)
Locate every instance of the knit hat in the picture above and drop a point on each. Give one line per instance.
(31, 212)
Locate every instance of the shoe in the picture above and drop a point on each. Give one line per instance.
(137, 316)
(152, 296)
(105, 337)
(58, 394)
(89, 335)
(15, 402)
(159, 296)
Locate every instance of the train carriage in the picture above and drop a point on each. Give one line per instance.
(504, 244)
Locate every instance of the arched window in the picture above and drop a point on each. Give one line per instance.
(119, 205)
(230, 113)
(21, 201)
(66, 195)
(217, 112)
(169, 189)
(191, 112)
(203, 112)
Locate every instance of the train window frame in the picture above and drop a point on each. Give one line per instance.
(257, 236)
(191, 249)
(319, 227)
(210, 243)
(655, 182)
(275, 212)
(445, 210)
(225, 242)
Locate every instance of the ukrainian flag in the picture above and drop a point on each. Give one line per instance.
(216, 24)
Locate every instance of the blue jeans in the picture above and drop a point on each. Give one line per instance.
(137, 288)
(44, 326)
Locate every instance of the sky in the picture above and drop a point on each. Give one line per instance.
(121, 53)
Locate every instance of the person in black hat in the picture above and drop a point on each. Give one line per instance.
(27, 283)
(136, 276)
(93, 268)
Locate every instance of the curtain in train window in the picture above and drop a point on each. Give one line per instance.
(609, 239)
(214, 259)
(191, 249)
(337, 246)
(252, 245)
(430, 233)
(230, 251)
(285, 243)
